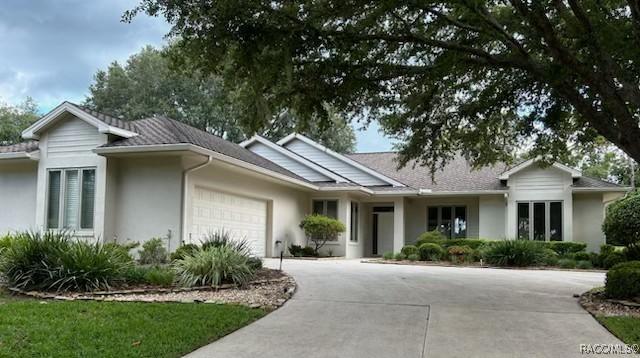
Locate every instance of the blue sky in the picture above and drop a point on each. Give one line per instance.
(49, 50)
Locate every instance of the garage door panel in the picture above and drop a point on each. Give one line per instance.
(242, 217)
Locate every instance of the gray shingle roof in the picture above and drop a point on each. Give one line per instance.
(107, 119)
(26, 147)
(161, 130)
(457, 175)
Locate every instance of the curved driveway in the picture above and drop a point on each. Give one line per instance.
(344, 308)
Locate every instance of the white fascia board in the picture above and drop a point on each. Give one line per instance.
(339, 156)
(33, 131)
(35, 155)
(206, 152)
(574, 172)
(462, 192)
(294, 156)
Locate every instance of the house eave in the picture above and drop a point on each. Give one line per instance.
(20, 155)
(601, 190)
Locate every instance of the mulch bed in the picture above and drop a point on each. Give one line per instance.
(470, 264)
(269, 289)
(596, 303)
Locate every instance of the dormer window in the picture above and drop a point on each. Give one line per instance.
(71, 198)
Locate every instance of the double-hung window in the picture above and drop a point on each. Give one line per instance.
(451, 221)
(326, 207)
(540, 220)
(71, 198)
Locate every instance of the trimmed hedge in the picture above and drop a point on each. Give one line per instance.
(472, 243)
(409, 250)
(431, 237)
(431, 252)
(623, 280)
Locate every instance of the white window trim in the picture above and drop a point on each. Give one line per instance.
(547, 218)
(61, 212)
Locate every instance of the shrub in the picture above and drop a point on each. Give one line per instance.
(399, 256)
(135, 274)
(125, 249)
(622, 222)
(183, 250)
(223, 238)
(514, 253)
(460, 253)
(613, 259)
(567, 263)
(160, 276)
(430, 252)
(212, 267)
(623, 280)
(53, 261)
(413, 257)
(153, 252)
(295, 250)
(319, 229)
(565, 248)
(584, 264)
(632, 253)
(582, 256)
(410, 250)
(471, 243)
(388, 255)
(309, 251)
(255, 263)
(432, 237)
(550, 257)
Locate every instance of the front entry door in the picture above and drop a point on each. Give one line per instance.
(382, 230)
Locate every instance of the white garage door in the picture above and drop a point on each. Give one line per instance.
(242, 217)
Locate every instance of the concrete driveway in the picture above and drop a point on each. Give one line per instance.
(345, 308)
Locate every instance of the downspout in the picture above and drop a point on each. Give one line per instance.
(183, 209)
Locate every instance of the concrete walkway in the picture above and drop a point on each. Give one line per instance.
(345, 308)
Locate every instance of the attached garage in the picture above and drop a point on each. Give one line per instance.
(242, 217)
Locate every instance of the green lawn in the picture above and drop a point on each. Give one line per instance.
(29, 328)
(625, 328)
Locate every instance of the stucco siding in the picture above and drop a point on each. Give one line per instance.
(327, 161)
(416, 214)
(492, 210)
(287, 163)
(287, 205)
(17, 196)
(147, 201)
(588, 213)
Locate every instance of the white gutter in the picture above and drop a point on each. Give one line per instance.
(596, 190)
(20, 155)
(185, 178)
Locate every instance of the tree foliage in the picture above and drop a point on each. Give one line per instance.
(15, 119)
(470, 76)
(148, 84)
(622, 222)
(320, 229)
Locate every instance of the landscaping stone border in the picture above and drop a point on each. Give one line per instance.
(285, 286)
(471, 265)
(595, 302)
